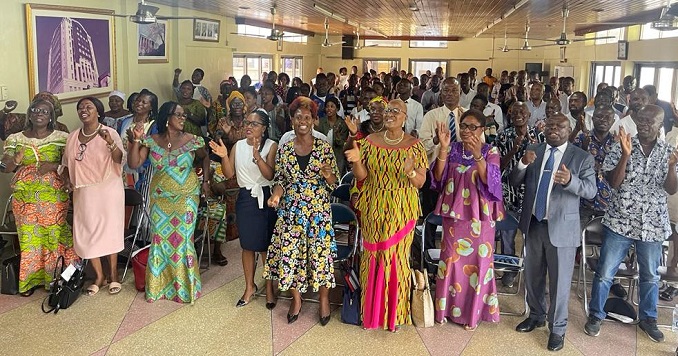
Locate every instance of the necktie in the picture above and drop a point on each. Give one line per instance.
(452, 124)
(543, 189)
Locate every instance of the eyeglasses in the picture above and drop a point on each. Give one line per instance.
(252, 123)
(393, 110)
(81, 152)
(470, 127)
(237, 104)
(181, 116)
(39, 111)
(376, 110)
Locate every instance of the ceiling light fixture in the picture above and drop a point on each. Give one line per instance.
(413, 6)
(508, 13)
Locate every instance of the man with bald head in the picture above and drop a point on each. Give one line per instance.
(642, 171)
(556, 175)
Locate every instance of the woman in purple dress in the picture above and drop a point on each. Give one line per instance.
(468, 177)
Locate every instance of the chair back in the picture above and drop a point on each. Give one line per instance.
(347, 178)
(343, 215)
(342, 192)
(133, 197)
(593, 233)
(509, 222)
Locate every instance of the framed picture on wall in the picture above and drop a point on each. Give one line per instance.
(279, 44)
(623, 50)
(71, 51)
(152, 42)
(206, 30)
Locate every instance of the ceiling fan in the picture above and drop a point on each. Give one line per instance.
(667, 21)
(326, 41)
(357, 41)
(563, 40)
(526, 46)
(276, 35)
(146, 15)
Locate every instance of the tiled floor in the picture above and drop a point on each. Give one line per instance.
(125, 324)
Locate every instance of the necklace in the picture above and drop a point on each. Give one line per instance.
(92, 134)
(374, 129)
(169, 143)
(393, 142)
(464, 156)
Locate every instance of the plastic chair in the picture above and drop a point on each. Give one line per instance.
(342, 193)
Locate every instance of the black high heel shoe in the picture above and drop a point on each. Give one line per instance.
(293, 318)
(242, 303)
(270, 305)
(324, 320)
(29, 292)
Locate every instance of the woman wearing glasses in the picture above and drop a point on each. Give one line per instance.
(468, 177)
(393, 166)
(172, 272)
(92, 164)
(40, 202)
(253, 158)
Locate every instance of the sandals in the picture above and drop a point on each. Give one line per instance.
(92, 290)
(114, 288)
(668, 294)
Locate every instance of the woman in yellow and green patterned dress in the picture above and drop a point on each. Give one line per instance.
(393, 165)
(40, 202)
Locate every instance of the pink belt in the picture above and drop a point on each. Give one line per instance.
(392, 241)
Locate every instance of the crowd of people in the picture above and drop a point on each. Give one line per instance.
(471, 150)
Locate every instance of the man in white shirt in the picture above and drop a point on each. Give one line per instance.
(491, 109)
(638, 100)
(603, 98)
(473, 81)
(200, 93)
(430, 97)
(415, 112)
(466, 94)
(564, 97)
(628, 86)
(365, 97)
(536, 105)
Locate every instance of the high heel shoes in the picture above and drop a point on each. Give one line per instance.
(242, 302)
(324, 320)
(293, 318)
(270, 305)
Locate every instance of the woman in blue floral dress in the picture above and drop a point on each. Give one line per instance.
(303, 248)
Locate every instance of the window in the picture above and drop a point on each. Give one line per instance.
(383, 43)
(664, 76)
(648, 33)
(264, 32)
(428, 44)
(381, 65)
(419, 67)
(607, 72)
(252, 65)
(617, 33)
(291, 66)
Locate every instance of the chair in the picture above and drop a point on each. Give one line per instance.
(345, 221)
(592, 237)
(430, 257)
(139, 221)
(510, 223)
(205, 234)
(342, 193)
(347, 178)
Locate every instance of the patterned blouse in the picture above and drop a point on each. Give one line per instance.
(599, 150)
(513, 196)
(638, 208)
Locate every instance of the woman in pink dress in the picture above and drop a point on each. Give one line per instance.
(468, 177)
(92, 165)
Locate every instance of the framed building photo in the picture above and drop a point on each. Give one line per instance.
(206, 30)
(71, 51)
(151, 42)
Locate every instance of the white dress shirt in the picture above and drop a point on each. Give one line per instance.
(564, 103)
(415, 115)
(631, 128)
(494, 109)
(363, 114)
(465, 99)
(290, 135)
(536, 112)
(558, 156)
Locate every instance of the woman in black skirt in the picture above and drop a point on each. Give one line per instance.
(253, 159)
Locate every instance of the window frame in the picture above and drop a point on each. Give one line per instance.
(424, 42)
(300, 69)
(655, 81)
(660, 34)
(365, 60)
(246, 56)
(382, 43)
(412, 60)
(592, 77)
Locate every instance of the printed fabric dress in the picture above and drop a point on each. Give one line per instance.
(389, 204)
(465, 288)
(172, 272)
(303, 248)
(40, 206)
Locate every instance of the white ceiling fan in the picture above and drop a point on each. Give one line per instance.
(275, 35)
(146, 14)
(326, 41)
(526, 46)
(563, 40)
(667, 21)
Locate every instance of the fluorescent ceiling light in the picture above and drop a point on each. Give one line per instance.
(502, 17)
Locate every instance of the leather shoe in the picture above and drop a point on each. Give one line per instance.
(556, 342)
(529, 324)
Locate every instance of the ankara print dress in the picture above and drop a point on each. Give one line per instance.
(465, 288)
(302, 250)
(173, 272)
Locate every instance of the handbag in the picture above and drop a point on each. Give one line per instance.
(66, 286)
(139, 262)
(10, 276)
(421, 303)
(350, 308)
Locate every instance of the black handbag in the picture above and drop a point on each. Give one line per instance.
(10, 276)
(350, 309)
(63, 293)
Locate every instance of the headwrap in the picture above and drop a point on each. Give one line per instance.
(117, 93)
(58, 112)
(304, 102)
(379, 99)
(236, 95)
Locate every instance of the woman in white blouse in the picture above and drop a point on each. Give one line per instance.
(253, 159)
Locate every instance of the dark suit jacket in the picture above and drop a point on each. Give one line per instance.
(563, 215)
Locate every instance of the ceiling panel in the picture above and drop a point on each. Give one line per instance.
(449, 18)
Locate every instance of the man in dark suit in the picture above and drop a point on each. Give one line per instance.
(556, 176)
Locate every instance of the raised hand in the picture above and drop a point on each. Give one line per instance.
(10, 105)
(353, 154)
(352, 124)
(225, 125)
(138, 131)
(219, 149)
(273, 201)
(18, 157)
(255, 148)
(106, 136)
(326, 171)
(443, 135)
(529, 157)
(474, 145)
(563, 175)
(177, 71)
(625, 141)
(408, 167)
